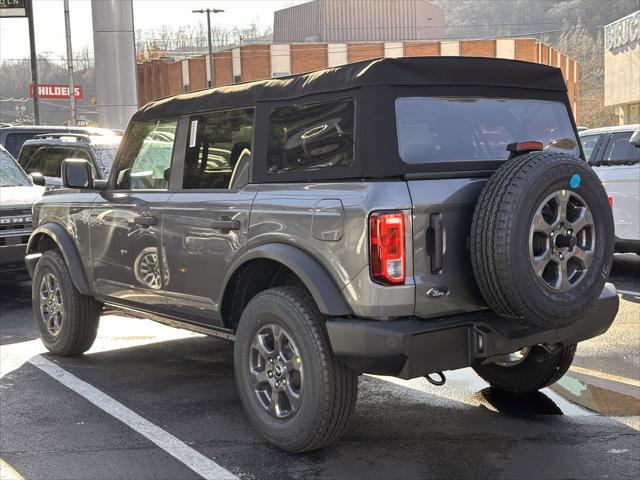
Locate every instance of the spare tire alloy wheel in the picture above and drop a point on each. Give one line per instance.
(542, 240)
(275, 367)
(562, 240)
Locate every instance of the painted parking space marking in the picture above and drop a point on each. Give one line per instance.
(7, 472)
(605, 376)
(627, 292)
(191, 458)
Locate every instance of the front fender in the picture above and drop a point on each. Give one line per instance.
(66, 245)
(322, 287)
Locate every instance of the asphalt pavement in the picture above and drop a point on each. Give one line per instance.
(151, 402)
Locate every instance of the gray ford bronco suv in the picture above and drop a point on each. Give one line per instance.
(398, 216)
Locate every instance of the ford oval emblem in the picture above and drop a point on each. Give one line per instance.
(437, 292)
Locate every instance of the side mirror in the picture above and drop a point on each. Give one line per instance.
(635, 139)
(38, 179)
(77, 173)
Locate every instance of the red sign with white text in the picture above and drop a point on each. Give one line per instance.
(59, 92)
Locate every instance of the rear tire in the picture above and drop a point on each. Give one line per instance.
(326, 389)
(67, 320)
(538, 370)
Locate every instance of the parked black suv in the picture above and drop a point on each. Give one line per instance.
(397, 216)
(13, 136)
(45, 153)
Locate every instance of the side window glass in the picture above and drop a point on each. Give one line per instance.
(589, 143)
(27, 157)
(50, 161)
(311, 137)
(81, 154)
(218, 144)
(14, 142)
(619, 150)
(146, 157)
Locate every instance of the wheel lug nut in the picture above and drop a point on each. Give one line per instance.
(277, 384)
(269, 374)
(271, 360)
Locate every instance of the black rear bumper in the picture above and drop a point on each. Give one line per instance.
(414, 347)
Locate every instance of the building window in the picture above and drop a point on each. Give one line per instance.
(280, 74)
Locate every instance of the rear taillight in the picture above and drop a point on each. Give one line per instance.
(610, 201)
(387, 248)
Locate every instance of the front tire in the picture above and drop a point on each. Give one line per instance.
(66, 319)
(535, 371)
(294, 391)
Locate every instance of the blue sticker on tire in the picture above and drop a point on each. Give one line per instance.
(575, 180)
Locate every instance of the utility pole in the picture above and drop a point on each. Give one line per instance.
(34, 64)
(209, 11)
(72, 86)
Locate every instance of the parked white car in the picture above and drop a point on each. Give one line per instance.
(614, 152)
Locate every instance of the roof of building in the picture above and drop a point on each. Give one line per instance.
(406, 71)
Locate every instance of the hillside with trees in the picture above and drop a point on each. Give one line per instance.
(574, 27)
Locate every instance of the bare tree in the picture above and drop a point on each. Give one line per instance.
(578, 42)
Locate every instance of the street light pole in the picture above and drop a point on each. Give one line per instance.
(34, 64)
(72, 86)
(209, 11)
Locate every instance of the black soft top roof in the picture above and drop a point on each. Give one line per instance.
(407, 71)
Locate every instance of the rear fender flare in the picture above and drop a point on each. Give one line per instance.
(313, 275)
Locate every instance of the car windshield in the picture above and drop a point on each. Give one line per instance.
(104, 155)
(444, 129)
(11, 175)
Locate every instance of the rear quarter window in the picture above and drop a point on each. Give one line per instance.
(311, 137)
(447, 129)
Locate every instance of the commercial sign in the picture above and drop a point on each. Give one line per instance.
(13, 8)
(622, 32)
(58, 92)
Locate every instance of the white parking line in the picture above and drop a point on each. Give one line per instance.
(193, 459)
(628, 292)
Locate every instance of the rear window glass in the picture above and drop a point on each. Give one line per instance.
(432, 129)
(311, 137)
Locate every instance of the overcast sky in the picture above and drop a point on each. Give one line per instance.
(148, 14)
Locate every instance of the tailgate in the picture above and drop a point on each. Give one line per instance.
(442, 214)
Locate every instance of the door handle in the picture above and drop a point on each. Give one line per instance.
(225, 223)
(145, 220)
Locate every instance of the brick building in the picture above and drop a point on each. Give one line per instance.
(162, 78)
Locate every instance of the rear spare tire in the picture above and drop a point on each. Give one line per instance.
(542, 239)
